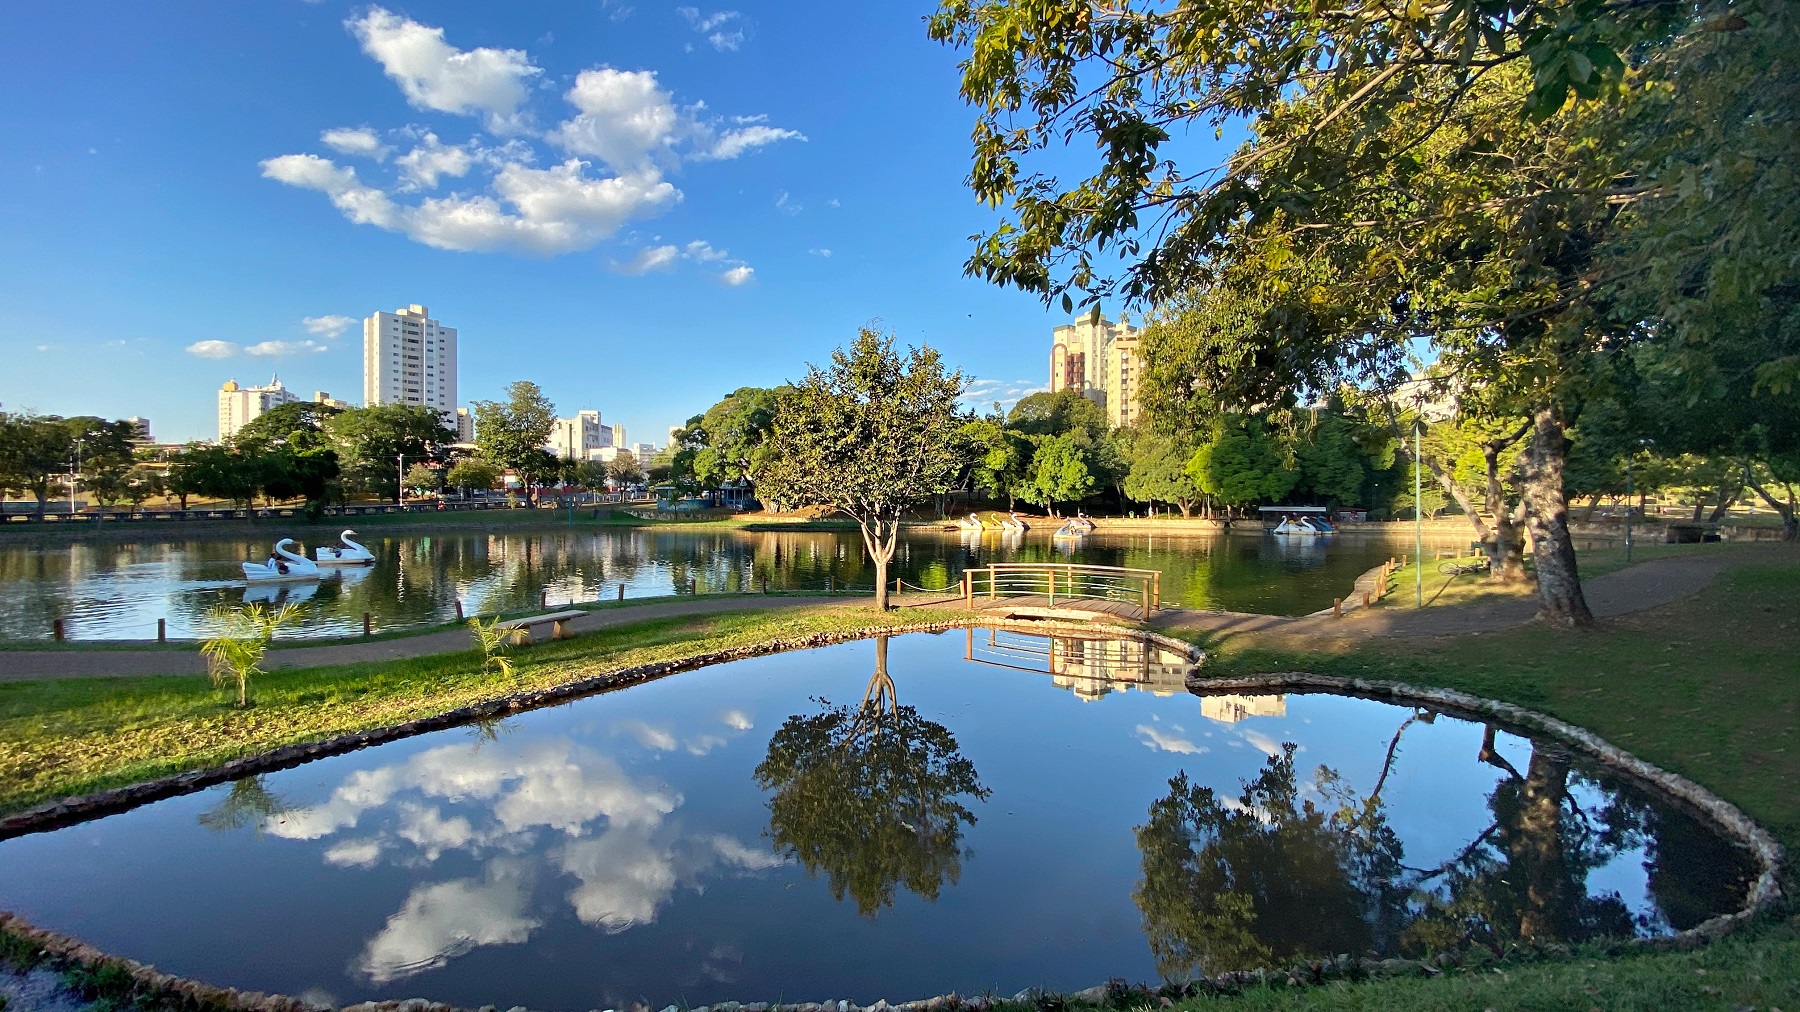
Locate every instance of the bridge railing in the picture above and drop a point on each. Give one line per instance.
(1065, 581)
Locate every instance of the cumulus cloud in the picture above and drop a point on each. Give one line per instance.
(665, 257)
(737, 719)
(327, 326)
(659, 739)
(433, 74)
(625, 133)
(209, 349)
(739, 275)
(278, 349)
(627, 875)
(650, 258)
(360, 142)
(447, 919)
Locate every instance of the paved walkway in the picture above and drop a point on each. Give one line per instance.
(1641, 587)
(1637, 588)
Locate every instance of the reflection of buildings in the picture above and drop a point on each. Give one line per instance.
(1088, 666)
(1233, 708)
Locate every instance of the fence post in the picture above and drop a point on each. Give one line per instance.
(1051, 573)
(1337, 607)
(459, 611)
(968, 590)
(544, 599)
(368, 623)
(896, 585)
(1144, 609)
(162, 630)
(56, 628)
(1365, 599)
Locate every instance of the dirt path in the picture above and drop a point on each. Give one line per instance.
(28, 665)
(1637, 588)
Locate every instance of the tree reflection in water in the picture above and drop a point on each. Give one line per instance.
(1268, 877)
(249, 802)
(870, 795)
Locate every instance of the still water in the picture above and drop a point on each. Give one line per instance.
(883, 819)
(119, 591)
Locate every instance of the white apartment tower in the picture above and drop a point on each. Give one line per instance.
(577, 438)
(409, 358)
(1100, 360)
(238, 405)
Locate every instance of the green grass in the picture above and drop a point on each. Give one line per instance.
(75, 736)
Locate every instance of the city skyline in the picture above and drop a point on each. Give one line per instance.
(240, 210)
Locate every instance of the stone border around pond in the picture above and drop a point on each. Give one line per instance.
(127, 976)
(1763, 893)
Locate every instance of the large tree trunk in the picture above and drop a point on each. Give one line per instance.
(1506, 552)
(1187, 508)
(1547, 511)
(1790, 522)
(879, 537)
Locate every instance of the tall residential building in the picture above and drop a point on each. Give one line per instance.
(409, 358)
(321, 397)
(140, 429)
(238, 405)
(1123, 375)
(1083, 358)
(465, 425)
(643, 452)
(618, 435)
(577, 438)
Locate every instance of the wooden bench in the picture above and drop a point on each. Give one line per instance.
(558, 621)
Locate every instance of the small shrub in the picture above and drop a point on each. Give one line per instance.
(237, 653)
(492, 641)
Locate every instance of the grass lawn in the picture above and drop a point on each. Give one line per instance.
(75, 736)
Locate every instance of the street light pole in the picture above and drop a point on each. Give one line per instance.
(74, 475)
(400, 484)
(1418, 520)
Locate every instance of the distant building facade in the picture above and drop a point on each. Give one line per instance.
(409, 358)
(239, 405)
(465, 425)
(321, 397)
(140, 429)
(580, 437)
(1100, 360)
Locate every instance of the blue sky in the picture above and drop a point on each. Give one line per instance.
(638, 206)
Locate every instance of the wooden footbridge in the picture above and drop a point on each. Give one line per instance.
(1063, 590)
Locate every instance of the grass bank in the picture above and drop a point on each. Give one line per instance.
(75, 736)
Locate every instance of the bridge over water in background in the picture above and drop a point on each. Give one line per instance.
(1063, 590)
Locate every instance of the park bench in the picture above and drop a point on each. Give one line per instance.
(558, 621)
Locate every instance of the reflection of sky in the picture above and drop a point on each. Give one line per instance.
(614, 848)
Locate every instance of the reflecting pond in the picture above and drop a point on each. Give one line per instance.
(882, 819)
(107, 590)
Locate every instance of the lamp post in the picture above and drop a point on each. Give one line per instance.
(400, 484)
(1418, 520)
(1630, 491)
(74, 475)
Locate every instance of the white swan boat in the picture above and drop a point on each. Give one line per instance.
(1014, 525)
(970, 523)
(1300, 527)
(283, 565)
(346, 553)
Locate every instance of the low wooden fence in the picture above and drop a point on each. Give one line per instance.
(1066, 582)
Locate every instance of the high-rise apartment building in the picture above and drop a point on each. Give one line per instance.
(140, 429)
(1099, 360)
(618, 435)
(465, 425)
(238, 405)
(578, 438)
(409, 358)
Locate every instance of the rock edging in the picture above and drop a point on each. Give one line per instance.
(1764, 893)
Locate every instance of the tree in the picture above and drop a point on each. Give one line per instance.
(1059, 473)
(300, 424)
(870, 437)
(1159, 472)
(625, 470)
(870, 796)
(472, 473)
(999, 459)
(1331, 461)
(512, 433)
(422, 477)
(34, 449)
(1241, 464)
(1058, 414)
(217, 472)
(734, 431)
(370, 442)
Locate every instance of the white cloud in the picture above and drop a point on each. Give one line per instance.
(737, 719)
(436, 75)
(627, 875)
(650, 258)
(447, 919)
(1163, 741)
(704, 23)
(208, 349)
(714, 27)
(354, 853)
(821, 252)
(283, 348)
(1262, 742)
(432, 159)
(739, 275)
(623, 117)
(983, 392)
(649, 735)
(360, 142)
(616, 11)
(556, 210)
(787, 205)
(733, 143)
(704, 252)
(327, 326)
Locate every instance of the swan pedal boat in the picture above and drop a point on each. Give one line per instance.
(347, 553)
(288, 566)
(1301, 528)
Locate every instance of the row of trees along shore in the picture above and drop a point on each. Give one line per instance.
(315, 453)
